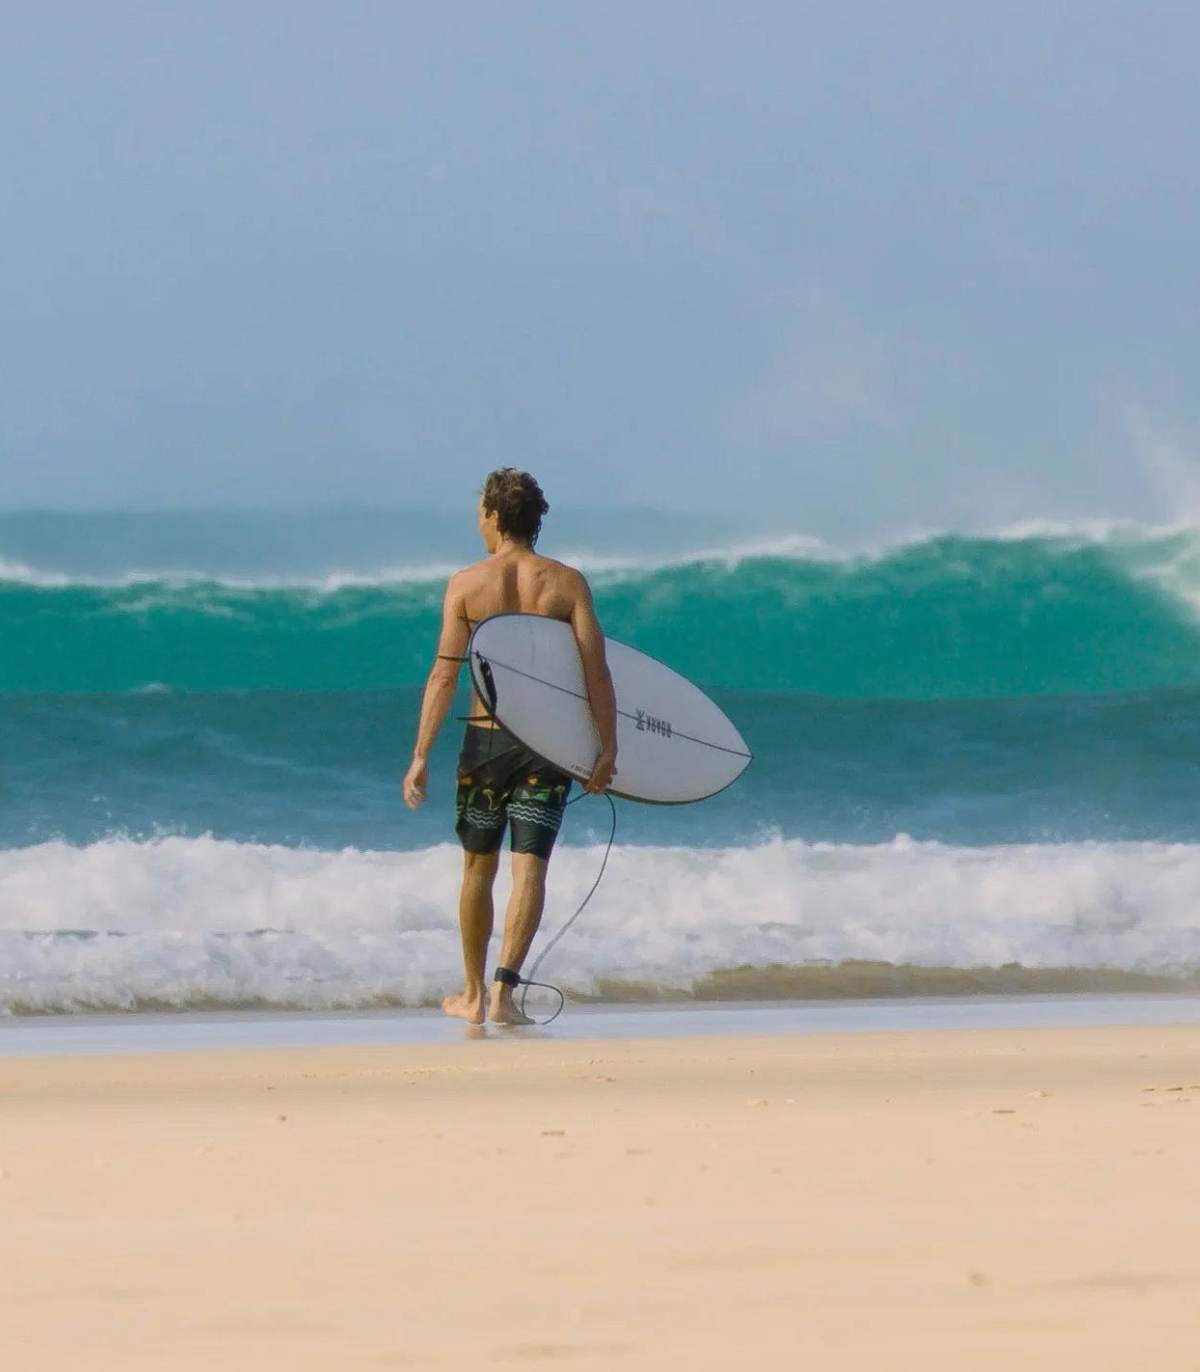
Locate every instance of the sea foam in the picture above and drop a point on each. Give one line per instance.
(200, 922)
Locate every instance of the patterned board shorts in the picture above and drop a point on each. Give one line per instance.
(501, 782)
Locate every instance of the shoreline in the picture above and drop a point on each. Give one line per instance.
(155, 1032)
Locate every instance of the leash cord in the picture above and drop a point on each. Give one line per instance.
(528, 981)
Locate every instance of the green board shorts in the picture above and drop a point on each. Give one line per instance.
(500, 782)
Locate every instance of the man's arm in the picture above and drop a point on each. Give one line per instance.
(590, 639)
(439, 689)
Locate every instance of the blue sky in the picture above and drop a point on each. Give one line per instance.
(862, 267)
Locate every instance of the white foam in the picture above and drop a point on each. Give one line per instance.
(24, 575)
(187, 922)
(1126, 537)
(795, 546)
(1166, 553)
(176, 579)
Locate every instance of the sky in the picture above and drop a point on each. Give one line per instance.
(855, 267)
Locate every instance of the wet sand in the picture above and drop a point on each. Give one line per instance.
(172, 1031)
(991, 1198)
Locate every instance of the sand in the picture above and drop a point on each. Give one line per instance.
(984, 1199)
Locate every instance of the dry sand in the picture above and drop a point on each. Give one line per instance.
(986, 1199)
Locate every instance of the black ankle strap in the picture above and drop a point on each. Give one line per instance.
(507, 977)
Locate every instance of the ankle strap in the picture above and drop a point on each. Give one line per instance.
(507, 977)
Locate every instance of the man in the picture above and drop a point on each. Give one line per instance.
(494, 769)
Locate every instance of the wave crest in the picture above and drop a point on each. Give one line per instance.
(947, 617)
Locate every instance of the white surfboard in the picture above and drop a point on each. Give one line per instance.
(674, 744)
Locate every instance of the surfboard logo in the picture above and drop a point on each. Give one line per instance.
(649, 724)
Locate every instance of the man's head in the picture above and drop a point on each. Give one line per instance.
(512, 506)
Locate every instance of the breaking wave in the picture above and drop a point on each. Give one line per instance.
(1036, 610)
(193, 923)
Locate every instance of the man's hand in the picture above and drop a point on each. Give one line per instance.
(602, 774)
(415, 783)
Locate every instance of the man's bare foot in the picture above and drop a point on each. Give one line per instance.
(466, 1005)
(503, 1010)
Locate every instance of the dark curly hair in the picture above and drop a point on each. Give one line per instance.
(517, 501)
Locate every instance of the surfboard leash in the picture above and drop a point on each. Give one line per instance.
(507, 977)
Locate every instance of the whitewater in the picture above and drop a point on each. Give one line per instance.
(976, 765)
(196, 923)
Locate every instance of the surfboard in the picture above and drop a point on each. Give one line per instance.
(674, 744)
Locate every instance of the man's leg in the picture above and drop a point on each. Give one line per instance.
(521, 922)
(475, 924)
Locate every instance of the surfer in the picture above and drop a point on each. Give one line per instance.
(500, 782)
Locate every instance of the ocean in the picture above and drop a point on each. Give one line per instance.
(977, 764)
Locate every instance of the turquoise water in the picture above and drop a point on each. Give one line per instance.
(970, 752)
(946, 618)
(321, 769)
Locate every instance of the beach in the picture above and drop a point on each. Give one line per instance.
(777, 422)
(982, 1197)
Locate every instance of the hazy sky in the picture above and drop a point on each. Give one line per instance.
(862, 266)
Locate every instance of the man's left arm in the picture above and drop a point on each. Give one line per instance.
(439, 690)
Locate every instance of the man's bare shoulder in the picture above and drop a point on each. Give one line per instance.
(564, 570)
(465, 576)
(535, 585)
(569, 582)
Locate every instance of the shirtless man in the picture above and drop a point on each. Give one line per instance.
(495, 771)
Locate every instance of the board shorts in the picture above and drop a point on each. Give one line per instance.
(500, 782)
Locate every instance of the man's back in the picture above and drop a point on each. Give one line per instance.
(524, 582)
(520, 581)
